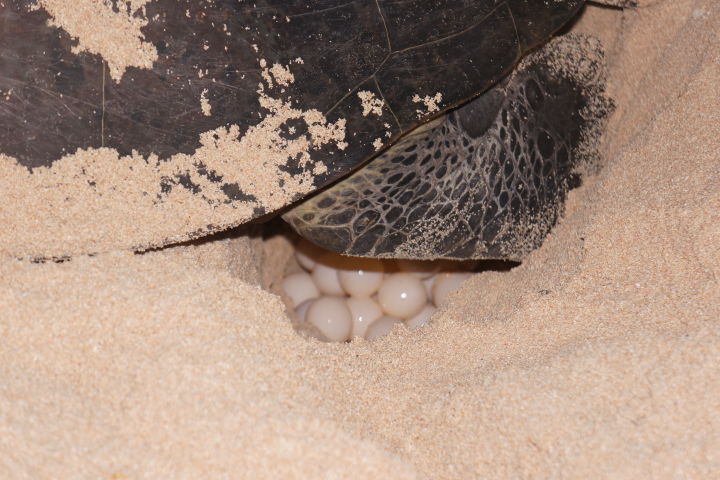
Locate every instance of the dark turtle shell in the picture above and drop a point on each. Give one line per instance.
(398, 50)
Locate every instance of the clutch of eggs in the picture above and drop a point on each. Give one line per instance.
(337, 298)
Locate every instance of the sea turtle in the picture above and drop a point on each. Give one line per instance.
(292, 96)
(488, 180)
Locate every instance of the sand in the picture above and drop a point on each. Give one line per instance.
(598, 357)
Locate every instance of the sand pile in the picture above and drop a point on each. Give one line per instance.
(598, 357)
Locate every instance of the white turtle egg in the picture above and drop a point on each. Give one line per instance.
(301, 310)
(421, 318)
(402, 295)
(381, 327)
(364, 312)
(325, 275)
(428, 283)
(332, 317)
(422, 268)
(300, 287)
(305, 261)
(445, 284)
(307, 254)
(361, 277)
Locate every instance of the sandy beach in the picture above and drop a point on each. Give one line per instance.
(598, 357)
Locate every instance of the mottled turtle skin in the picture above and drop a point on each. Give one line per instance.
(497, 205)
(488, 180)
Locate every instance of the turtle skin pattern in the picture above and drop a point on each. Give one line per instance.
(486, 181)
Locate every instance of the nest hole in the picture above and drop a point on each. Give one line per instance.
(336, 298)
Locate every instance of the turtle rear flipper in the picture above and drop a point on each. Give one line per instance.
(475, 186)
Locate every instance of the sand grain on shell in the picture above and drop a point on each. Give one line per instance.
(94, 199)
(205, 103)
(115, 36)
(370, 103)
(431, 103)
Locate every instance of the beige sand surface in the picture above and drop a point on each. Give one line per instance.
(599, 357)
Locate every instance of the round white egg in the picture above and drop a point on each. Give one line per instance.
(364, 312)
(305, 261)
(332, 317)
(421, 318)
(361, 277)
(307, 254)
(301, 310)
(422, 268)
(325, 276)
(402, 295)
(445, 284)
(428, 283)
(381, 327)
(300, 287)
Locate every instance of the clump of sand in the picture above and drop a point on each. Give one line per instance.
(598, 357)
